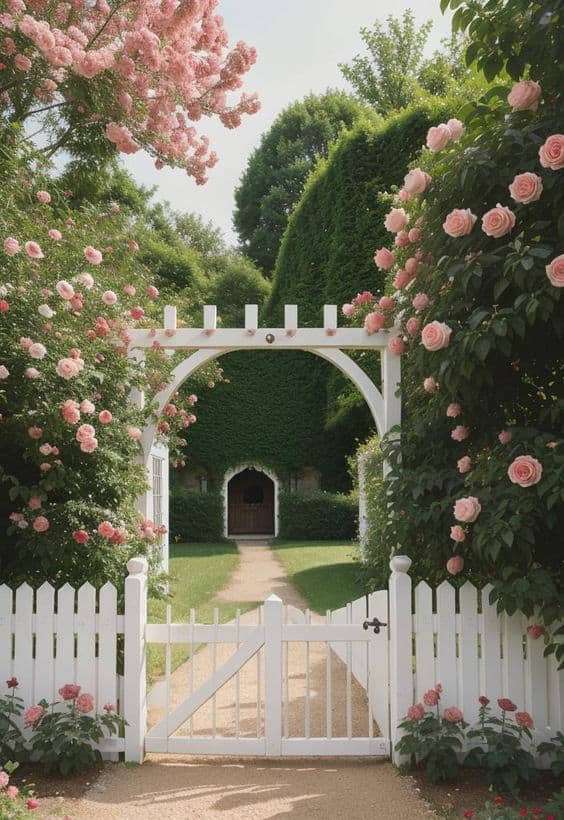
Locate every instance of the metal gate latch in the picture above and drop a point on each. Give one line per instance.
(375, 623)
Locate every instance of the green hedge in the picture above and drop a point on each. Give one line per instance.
(318, 516)
(195, 516)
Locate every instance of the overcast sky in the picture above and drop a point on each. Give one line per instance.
(299, 44)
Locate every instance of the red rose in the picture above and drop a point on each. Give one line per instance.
(506, 705)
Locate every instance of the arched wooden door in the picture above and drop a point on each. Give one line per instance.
(250, 504)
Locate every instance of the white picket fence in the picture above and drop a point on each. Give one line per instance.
(51, 637)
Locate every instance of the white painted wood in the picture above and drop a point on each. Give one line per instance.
(425, 672)
(401, 669)
(198, 633)
(23, 649)
(379, 680)
(242, 746)
(290, 317)
(44, 666)
(536, 684)
(64, 657)
(214, 656)
(251, 318)
(238, 680)
(210, 321)
(469, 673)
(135, 672)
(349, 678)
(169, 322)
(86, 639)
(328, 683)
(307, 709)
(556, 696)
(330, 321)
(335, 747)
(6, 603)
(446, 644)
(490, 677)
(107, 646)
(322, 632)
(272, 637)
(513, 678)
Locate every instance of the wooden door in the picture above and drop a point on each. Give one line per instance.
(251, 504)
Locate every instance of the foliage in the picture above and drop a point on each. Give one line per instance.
(64, 740)
(394, 74)
(129, 75)
(555, 750)
(15, 804)
(500, 370)
(431, 739)
(317, 515)
(63, 348)
(498, 809)
(375, 558)
(277, 170)
(195, 516)
(238, 284)
(325, 573)
(12, 744)
(501, 750)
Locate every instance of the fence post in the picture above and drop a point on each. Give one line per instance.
(273, 675)
(135, 684)
(401, 661)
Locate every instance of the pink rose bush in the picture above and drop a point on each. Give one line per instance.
(459, 222)
(525, 471)
(467, 509)
(551, 153)
(499, 221)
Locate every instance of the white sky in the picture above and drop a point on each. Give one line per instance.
(299, 44)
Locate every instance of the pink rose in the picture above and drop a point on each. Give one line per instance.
(505, 437)
(387, 302)
(67, 368)
(464, 464)
(524, 96)
(459, 222)
(134, 433)
(65, 290)
(435, 336)
(402, 279)
(403, 195)
(70, 691)
(55, 235)
(86, 280)
(453, 714)
(525, 471)
(534, 631)
(4, 779)
(88, 445)
(374, 321)
(431, 697)
(456, 128)
(467, 509)
(555, 271)
(384, 259)
(420, 301)
(32, 715)
(458, 534)
(85, 703)
(438, 136)
(526, 188)
(86, 406)
(11, 246)
(11, 793)
(414, 235)
(402, 239)
(33, 250)
(396, 345)
(137, 312)
(416, 712)
(85, 431)
(551, 154)
(453, 410)
(412, 326)
(32, 803)
(37, 350)
(348, 309)
(106, 529)
(395, 220)
(109, 297)
(524, 720)
(506, 705)
(460, 433)
(43, 196)
(35, 502)
(430, 385)
(81, 536)
(129, 290)
(455, 564)
(411, 265)
(105, 417)
(132, 245)
(498, 221)
(92, 255)
(4, 372)
(416, 181)
(109, 707)
(41, 524)
(35, 432)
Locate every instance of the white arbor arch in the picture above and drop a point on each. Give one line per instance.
(209, 342)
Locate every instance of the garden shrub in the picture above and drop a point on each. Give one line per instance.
(317, 516)
(195, 516)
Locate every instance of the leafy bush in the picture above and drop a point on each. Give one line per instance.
(195, 516)
(64, 741)
(15, 804)
(555, 749)
(12, 743)
(317, 516)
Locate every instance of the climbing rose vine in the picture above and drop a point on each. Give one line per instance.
(137, 73)
(476, 273)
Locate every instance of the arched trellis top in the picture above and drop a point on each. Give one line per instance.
(210, 342)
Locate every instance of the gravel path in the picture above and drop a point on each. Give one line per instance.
(209, 787)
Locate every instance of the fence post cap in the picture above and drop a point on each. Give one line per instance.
(273, 599)
(137, 566)
(400, 563)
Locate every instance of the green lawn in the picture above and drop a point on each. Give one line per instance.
(197, 572)
(325, 572)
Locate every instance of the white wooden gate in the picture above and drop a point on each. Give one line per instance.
(293, 683)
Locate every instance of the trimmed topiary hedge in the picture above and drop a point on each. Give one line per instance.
(195, 516)
(318, 516)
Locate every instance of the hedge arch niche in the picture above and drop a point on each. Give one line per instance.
(210, 342)
(250, 501)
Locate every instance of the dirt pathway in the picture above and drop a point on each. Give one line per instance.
(206, 787)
